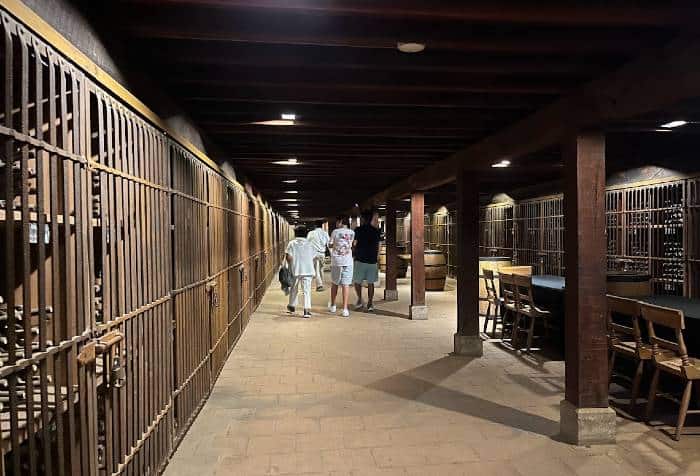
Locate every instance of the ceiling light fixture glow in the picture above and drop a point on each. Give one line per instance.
(672, 124)
(289, 116)
(501, 164)
(291, 191)
(410, 47)
(275, 122)
(290, 161)
(290, 181)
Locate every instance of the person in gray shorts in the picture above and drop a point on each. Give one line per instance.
(367, 238)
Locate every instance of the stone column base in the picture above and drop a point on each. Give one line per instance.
(471, 346)
(419, 313)
(587, 426)
(391, 295)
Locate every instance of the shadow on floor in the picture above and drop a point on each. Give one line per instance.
(419, 385)
(383, 312)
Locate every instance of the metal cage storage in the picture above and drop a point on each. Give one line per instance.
(129, 270)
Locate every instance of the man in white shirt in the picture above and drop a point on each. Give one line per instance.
(341, 262)
(300, 257)
(319, 241)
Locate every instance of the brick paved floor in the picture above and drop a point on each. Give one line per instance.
(378, 394)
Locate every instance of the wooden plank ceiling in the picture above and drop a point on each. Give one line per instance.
(367, 114)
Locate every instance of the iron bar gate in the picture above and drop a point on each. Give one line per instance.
(129, 270)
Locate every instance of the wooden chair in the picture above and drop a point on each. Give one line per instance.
(509, 303)
(626, 340)
(527, 311)
(670, 356)
(493, 302)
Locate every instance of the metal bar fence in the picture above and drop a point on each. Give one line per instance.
(130, 269)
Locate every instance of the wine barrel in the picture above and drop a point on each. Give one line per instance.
(402, 264)
(435, 270)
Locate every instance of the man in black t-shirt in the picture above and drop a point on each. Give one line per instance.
(366, 245)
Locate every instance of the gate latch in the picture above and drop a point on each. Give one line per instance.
(211, 289)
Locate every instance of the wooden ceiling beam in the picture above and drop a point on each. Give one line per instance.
(388, 98)
(437, 62)
(542, 87)
(512, 12)
(657, 79)
(189, 29)
(462, 134)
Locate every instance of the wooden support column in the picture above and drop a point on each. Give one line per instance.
(467, 340)
(418, 308)
(391, 293)
(585, 415)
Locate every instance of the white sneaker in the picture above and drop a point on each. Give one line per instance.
(346, 313)
(331, 308)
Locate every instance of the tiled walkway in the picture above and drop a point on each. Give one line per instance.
(380, 394)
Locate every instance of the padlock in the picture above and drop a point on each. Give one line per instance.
(117, 377)
(101, 464)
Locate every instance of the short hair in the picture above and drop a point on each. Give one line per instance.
(319, 223)
(300, 231)
(342, 219)
(367, 215)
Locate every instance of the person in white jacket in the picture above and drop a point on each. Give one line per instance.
(318, 237)
(300, 257)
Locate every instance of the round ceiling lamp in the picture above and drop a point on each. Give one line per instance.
(410, 47)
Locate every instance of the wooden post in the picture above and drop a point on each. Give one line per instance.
(392, 254)
(418, 308)
(467, 340)
(585, 415)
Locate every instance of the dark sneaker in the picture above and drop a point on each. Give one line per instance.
(320, 288)
(307, 313)
(290, 309)
(370, 307)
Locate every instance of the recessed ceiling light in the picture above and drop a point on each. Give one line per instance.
(410, 47)
(291, 191)
(289, 116)
(501, 164)
(288, 200)
(290, 181)
(275, 122)
(672, 124)
(290, 161)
